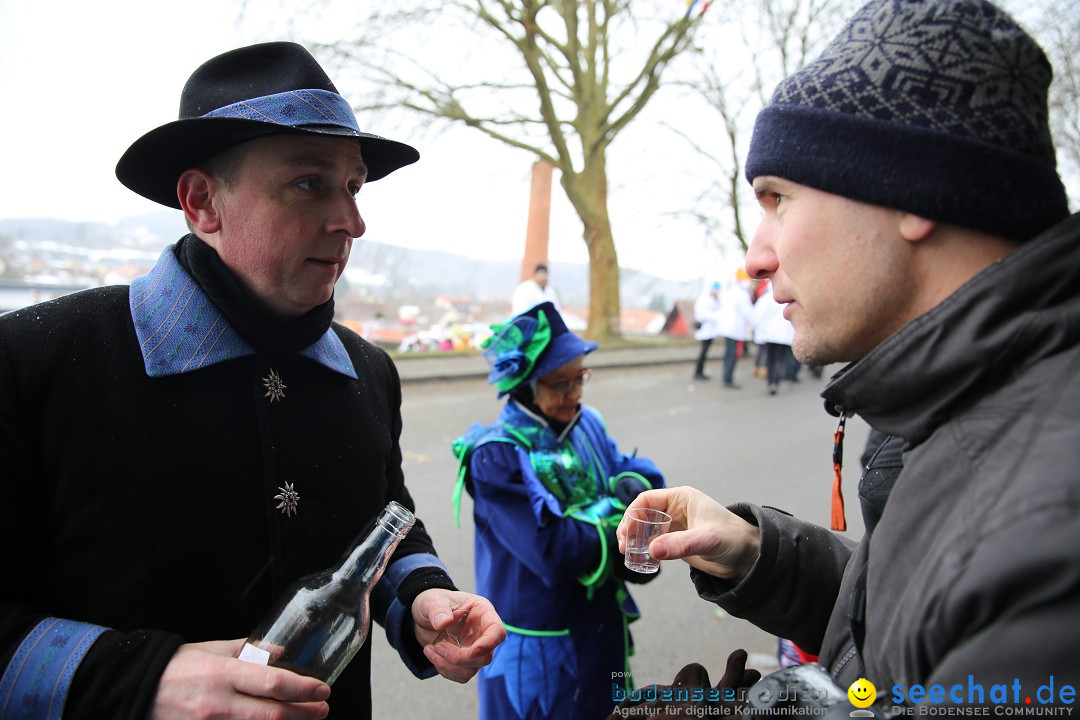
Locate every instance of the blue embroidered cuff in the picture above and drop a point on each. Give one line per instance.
(396, 616)
(399, 634)
(38, 678)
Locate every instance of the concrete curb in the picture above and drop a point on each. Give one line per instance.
(459, 365)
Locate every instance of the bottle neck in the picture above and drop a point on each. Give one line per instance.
(365, 564)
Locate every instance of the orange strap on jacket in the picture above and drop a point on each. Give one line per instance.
(838, 520)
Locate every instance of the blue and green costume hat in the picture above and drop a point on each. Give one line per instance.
(529, 346)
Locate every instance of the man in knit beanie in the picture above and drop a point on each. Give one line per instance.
(914, 226)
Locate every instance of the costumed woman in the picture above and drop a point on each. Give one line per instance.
(549, 486)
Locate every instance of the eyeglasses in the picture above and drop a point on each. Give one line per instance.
(567, 386)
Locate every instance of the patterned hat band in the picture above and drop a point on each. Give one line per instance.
(294, 108)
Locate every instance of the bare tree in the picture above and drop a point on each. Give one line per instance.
(572, 75)
(779, 36)
(771, 39)
(727, 190)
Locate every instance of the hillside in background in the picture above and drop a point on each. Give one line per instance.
(47, 251)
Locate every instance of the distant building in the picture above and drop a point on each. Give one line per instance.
(642, 322)
(680, 320)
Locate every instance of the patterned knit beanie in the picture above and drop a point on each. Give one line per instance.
(934, 107)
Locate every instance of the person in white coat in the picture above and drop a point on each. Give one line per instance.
(734, 322)
(706, 320)
(533, 291)
(777, 333)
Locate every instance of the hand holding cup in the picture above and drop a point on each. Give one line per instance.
(702, 532)
(643, 525)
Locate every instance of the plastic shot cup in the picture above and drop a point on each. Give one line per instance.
(643, 526)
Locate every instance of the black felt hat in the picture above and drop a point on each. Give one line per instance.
(251, 92)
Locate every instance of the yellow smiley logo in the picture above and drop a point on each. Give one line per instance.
(862, 693)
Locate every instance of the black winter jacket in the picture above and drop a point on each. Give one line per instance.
(973, 571)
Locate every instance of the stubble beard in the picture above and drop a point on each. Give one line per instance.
(811, 351)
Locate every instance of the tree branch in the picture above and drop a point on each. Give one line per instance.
(649, 77)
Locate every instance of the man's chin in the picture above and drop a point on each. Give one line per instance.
(811, 356)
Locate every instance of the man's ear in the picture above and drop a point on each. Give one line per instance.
(195, 190)
(914, 228)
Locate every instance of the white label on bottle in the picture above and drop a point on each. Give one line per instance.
(255, 655)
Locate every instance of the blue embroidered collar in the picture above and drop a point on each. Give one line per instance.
(180, 330)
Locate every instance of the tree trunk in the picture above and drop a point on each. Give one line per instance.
(587, 192)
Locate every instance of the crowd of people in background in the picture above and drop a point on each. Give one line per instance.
(744, 314)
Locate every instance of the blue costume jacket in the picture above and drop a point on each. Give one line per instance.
(541, 504)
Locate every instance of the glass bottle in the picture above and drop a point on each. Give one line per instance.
(321, 621)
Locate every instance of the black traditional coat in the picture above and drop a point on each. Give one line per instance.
(143, 447)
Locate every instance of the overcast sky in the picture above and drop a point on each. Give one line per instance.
(81, 81)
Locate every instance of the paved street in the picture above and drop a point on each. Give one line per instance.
(734, 445)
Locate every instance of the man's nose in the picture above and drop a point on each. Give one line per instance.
(761, 260)
(346, 216)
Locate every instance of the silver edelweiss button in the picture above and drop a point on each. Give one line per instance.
(289, 500)
(275, 389)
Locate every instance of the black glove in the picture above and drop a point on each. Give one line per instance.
(735, 673)
(690, 692)
(627, 487)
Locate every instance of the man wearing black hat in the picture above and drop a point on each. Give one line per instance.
(177, 453)
(915, 226)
